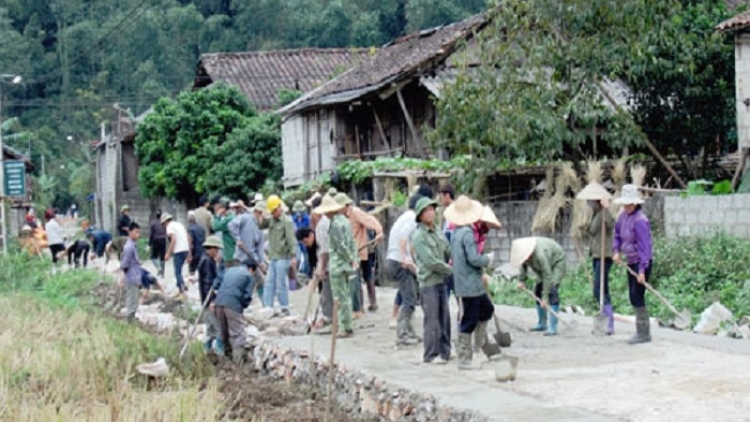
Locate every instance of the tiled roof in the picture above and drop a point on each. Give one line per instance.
(410, 54)
(261, 74)
(738, 22)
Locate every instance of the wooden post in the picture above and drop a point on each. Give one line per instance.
(386, 144)
(740, 168)
(409, 121)
(332, 359)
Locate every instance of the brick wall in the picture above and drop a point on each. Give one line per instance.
(699, 215)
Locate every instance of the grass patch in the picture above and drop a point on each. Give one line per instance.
(62, 359)
(691, 272)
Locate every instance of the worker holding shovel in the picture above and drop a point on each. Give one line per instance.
(633, 239)
(476, 308)
(208, 273)
(546, 258)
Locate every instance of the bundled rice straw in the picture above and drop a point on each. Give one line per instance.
(618, 178)
(638, 174)
(594, 172)
(542, 217)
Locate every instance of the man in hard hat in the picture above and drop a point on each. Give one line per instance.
(282, 252)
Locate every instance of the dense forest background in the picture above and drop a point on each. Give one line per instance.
(80, 57)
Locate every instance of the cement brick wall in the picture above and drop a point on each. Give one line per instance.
(516, 218)
(701, 215)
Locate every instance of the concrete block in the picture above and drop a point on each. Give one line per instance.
(743, 216)
(671, 230)
(674, 218)
(716, 218)
(684, 230)
(691, 218)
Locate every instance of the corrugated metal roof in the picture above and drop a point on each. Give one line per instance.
(261, 74)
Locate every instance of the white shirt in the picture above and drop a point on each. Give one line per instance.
(54, 232)
(322, 237)
(402, 229)
(178, 231)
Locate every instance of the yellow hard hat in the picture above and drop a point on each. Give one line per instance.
(273, 202)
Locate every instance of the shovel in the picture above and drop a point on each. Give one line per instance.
(567, 324)
(195, 323)
(682, 319)
(502, 339)
(600, 320)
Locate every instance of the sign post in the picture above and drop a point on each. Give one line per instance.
(14, 177)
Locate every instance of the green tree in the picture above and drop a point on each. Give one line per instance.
(250, 156)
(177, 145)
(683, 87)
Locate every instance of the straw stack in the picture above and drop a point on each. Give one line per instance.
(545, 219)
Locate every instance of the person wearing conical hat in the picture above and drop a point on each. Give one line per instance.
(361, 222)
(431, 251)
(476, 308)
(633, 240)
(547, 259)
(208, 273)
(343, 261)
(598, 199)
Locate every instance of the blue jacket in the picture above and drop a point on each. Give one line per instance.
(100, 240)
(300, 219)
(235, 291)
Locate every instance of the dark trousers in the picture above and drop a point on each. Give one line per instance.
(231, 330)
(597, 278)
(437, 323)
(56, 249)
(637, 291)
(158, 249)
(553, 298)
(407, 286)
(77, 253)
(179, 260)
(474, 310)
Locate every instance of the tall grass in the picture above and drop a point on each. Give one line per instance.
(62, 360)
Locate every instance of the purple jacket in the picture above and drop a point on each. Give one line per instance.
(633, 239)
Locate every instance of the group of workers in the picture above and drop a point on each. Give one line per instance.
(436, 247)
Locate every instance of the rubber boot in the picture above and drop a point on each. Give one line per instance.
(465, 355)
(219, 347)
(542, 317)
(480, 336)
(552, 326)
(642, 328)
(610, 319)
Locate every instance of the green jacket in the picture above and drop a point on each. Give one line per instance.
(431, 251)
(282, 243)
(548, 261)
(343, 248)
(221, 225)
(595, 233)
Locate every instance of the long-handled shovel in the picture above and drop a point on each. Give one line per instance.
(600, 320)
(682, 319)
(571, 324)
(195, 323)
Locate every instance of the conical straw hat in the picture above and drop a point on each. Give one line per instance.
(464, 211)
(328, 204)
(593, 192)
(489, 217)
(520, 250)
(629, 196)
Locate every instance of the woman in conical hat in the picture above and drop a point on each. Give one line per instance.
(476, 308)
(633, 240)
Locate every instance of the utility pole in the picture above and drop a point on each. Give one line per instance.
(15, 79)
